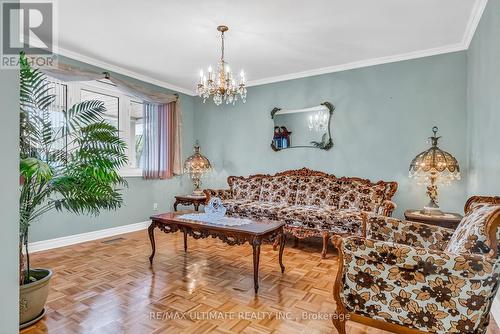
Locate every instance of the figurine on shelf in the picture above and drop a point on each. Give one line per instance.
(277, 137)
(281, 138)
(285, 137)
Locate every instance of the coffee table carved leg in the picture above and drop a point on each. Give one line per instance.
(282, 247)
(196, 206)
(276, 242)
(175, 205)
(151, 234)
(185, 240)
(256, 257)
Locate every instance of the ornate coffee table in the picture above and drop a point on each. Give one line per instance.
(255, 233)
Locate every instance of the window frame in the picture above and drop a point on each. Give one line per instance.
(74, 94)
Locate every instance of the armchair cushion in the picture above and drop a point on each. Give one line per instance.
(472, 234)
(407, 232)
(318, 190)
(422, 289)
(279, 189)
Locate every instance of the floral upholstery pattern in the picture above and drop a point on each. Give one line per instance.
(311, 203)
(267, 210)
(471, 235)
(318, 191)
(221, 193)
(247, 188)
(386, 208)
(279, 189)
(407, 233)
(234, 207)
(325, 218)
(361, 195)
(428, 290)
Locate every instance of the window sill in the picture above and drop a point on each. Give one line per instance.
(131, 172)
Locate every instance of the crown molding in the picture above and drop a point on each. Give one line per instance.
(121, 70)
(360, 64)
(472, 24)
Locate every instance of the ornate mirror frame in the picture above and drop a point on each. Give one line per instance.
(325, 144)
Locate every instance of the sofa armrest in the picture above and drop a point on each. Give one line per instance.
(407, 232)
(386, 208)
(432, 291)
(221, 193)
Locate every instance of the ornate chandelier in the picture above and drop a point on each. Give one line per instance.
(221, 84)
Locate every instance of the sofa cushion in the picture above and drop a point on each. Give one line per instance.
(246, 188)
(326, 218)
(348, 221)
(318, 190)
(307, 216)
(234, 206)
(258, 210)
(279, 189)
(362, 195)
(471, 235)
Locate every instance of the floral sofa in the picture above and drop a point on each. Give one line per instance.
(408, 277)
(311, 203)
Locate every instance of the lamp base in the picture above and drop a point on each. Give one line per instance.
(431, 211)
(197, 192)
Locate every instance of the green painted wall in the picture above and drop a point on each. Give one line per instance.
(483, 105)
(9, 201)
(138, 198)
(383, 116)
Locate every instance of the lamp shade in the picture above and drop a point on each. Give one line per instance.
(435, 163)
(197, 164)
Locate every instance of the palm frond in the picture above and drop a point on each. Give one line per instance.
(72, 168)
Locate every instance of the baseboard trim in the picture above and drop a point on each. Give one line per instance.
(43, 245)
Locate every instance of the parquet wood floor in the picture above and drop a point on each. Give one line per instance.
(109, 287)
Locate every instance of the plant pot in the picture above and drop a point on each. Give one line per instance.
(32, 297)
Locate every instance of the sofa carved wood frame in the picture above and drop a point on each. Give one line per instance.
(342, 315)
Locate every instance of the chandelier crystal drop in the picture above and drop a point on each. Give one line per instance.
(221, 83)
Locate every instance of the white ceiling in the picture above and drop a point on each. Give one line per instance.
(168, 42)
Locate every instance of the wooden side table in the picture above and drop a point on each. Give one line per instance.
(194, 200)
(448, 219)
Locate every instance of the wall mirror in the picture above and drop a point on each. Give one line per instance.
(308, 127)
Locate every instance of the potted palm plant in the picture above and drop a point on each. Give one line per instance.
(73, 168)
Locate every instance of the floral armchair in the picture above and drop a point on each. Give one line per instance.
(409, 277)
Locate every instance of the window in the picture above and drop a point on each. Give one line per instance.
(111, 103)
(136, 134)
(123, 111)
(57, 109)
